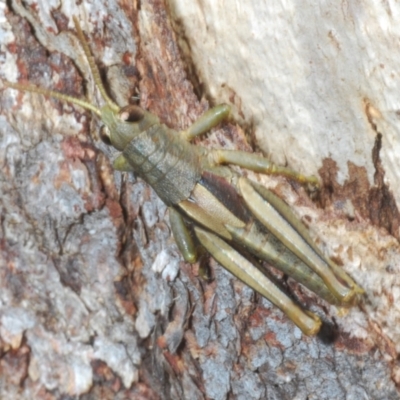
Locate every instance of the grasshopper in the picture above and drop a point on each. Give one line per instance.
(210, 204)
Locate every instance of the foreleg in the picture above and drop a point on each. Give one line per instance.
(207, 121)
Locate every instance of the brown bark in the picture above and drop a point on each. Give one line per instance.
(95, 299)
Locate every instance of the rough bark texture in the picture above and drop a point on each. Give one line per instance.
(95, 300)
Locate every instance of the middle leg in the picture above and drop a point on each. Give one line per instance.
(258, 163)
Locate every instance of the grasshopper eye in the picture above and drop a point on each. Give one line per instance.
(131, 114)
(105, 135)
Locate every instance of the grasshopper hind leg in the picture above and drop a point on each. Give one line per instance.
(252, 276)
(278, 218)
(241, 267)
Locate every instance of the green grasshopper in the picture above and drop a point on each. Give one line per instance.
(228, 214)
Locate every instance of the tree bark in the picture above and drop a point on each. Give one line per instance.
(95, 298)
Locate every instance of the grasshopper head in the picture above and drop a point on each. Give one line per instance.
(123, 124)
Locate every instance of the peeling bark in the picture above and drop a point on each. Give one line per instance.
(95, 299)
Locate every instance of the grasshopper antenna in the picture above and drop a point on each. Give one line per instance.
(93, 67)
(51, 93)
(63, 97)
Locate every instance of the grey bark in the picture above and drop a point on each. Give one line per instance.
(95, 300)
